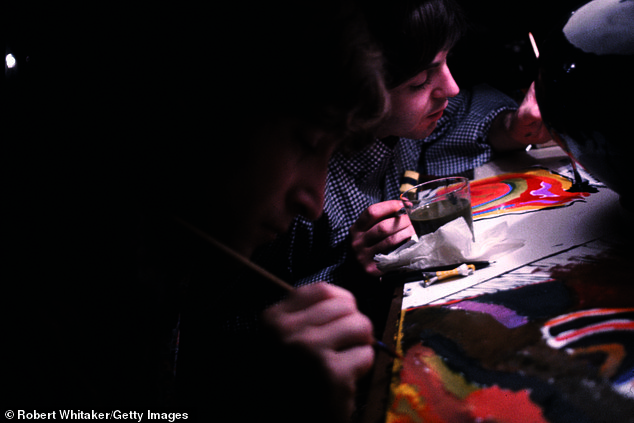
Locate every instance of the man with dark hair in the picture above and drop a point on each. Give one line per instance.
(125, 307)
(430, 128)
(477, 122)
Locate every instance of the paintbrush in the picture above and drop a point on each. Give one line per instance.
(433, 277)
(533, 44)
(422, 275)
(264, 273)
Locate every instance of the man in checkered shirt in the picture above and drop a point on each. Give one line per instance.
(432, 128)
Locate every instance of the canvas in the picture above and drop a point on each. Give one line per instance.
(557, 346)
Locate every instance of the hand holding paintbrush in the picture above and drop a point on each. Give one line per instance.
(320, 312)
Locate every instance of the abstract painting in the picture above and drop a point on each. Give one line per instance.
(521, 192)
(558, 350)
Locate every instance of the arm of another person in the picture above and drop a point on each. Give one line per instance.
(514, 130)
(323, 321)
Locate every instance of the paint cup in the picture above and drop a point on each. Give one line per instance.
(438, 202)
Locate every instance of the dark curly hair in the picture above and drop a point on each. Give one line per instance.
(412, 32)
(311, 60)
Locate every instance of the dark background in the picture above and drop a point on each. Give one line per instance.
(497, 50)
(75, 76)
(67, 101)
(65, 111)
(75, 66)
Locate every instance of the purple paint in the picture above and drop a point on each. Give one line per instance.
(506, 316)
(544, 191)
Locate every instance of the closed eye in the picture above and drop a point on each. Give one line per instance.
(420, 81)
(421, 86)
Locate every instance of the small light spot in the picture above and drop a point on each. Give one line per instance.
(10, 61)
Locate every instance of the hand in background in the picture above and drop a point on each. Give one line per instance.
(519, 128)
(378, 230)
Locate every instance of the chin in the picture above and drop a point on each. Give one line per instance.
(423, 133)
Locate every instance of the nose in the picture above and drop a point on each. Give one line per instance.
(447, 86)
(309, 204)
(307, 198)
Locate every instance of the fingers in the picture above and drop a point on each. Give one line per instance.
(371, 268)
(320, 316)
(351, 364)
(365, 249)
(386, 233)
(530, 97)
(529, 126)
(319, 312)
(378, 231)
(324, 321)
(306, 296)
(350, 331)
(345, 368)
(528, 112)
(375, 213)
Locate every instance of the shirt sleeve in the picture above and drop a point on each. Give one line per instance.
(460, 141)
(320, 250)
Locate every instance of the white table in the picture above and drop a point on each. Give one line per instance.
(545, 232)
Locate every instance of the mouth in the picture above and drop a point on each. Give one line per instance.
(437, 114)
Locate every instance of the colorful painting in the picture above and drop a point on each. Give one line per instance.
(558, 350)
(521, 193)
